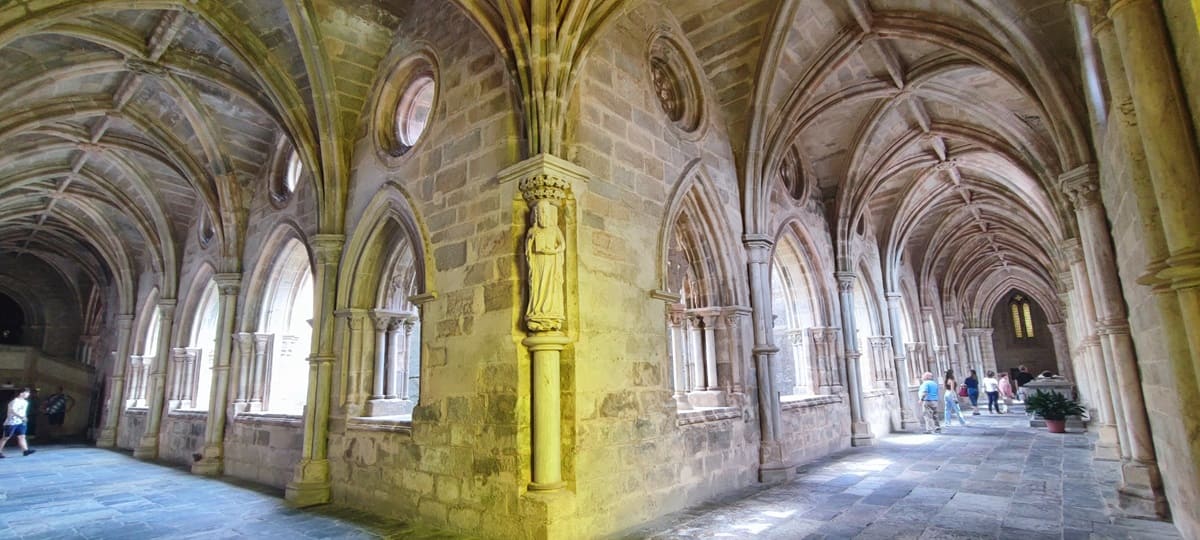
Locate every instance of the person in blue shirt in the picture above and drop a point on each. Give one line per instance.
(928, 394)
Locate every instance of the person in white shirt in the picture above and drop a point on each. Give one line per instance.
(15, 422)
(992, 387)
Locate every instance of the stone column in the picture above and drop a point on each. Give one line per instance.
(860, 430)
(695, 353)
(953, 352)
(545, 182)
(382, 322)
(258, 374)
(1058, 333)
(802, 382)
(115, 405)
(773, 466)
(1143, 490)
(148, 445)
(1182, 355)
(675, 322)
(987, 349)
(1109, 444)
(212, 461)
(404, 355)
(137, 381)
(310, 483)
(245, 362)
(710, 351)
(178, 375)
(974, 352)
(352, 375)
(908, 417)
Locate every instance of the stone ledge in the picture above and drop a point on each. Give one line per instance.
(269, 419)
(876, 392)
(187, 414)
(788, 403)
(137, 411)
(708, 414)
(394, 424)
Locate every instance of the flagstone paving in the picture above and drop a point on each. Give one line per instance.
(995, 478)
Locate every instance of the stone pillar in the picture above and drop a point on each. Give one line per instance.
(773, 466)
(258, 374)
(908, 417)
(148, 445)
(1109, 444)
(987, 350)
(1058, 333)
(675, 322)
(352, 376)
(114, 407)
(710, 352)
(1182, 355)
(954, 358)
(382, 322)
(404, 355)
(695, 353)
(1143, 490)
(802, 382)
(310, 483)
(245, 363)
(545, 182)
(178, 374)
(137, 381)
(212, 461)
(860, 430)
(974, 337)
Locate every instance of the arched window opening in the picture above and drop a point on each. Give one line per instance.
(192, 379)
(139, 363)
(285, 333)
(808, 354)
(1022, 317)
(395, 387)
(702, 346)
(875, 349)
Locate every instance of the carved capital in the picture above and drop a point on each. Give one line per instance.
(845, 281)
(1072, 250)
(328, 248)
(166, 308)
(758, 248)
(228, 283)
(544, 177)
(1081, 185)
(124, 322)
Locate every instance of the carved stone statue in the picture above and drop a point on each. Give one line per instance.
(544, 249)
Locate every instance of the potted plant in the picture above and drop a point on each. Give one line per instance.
(1054, 408)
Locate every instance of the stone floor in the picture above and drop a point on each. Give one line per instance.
(994, 478)
(67, 492)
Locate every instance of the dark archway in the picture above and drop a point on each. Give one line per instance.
(12, 321)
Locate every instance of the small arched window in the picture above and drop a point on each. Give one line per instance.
(412, 113)
(1022, 317)
(291, 176)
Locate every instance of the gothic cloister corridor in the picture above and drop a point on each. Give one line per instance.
(563, 269)
(996, 478)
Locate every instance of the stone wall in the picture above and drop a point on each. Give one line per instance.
(881, 409)
(815, 426)
(131, 428)
(1171, 445)
(181, 435)
(263, 448)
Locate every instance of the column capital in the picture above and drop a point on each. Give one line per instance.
(1073, 250)
(758, 248)
(845, 280)
(244, 338)
(229, 283)
(544, 176)
(1081, 185)
(124, 321)
(328, 247)
(166, 308)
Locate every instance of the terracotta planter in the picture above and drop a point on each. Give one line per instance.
(1056, 426)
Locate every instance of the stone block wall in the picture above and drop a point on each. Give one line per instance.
(814, 427)
(131, 428)
(181, 435)
(881, 409)
(263, 448)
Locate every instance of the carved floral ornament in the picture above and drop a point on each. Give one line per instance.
(676, 86)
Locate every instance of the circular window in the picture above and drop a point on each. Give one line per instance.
(412, 113)
(291, 176)
(406, 102)
(676, 84)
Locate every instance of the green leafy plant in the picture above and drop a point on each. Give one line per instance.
(1052, 405)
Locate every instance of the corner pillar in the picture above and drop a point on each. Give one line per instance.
(908, 418)
(860, 430)
(116, 386)
(212, 460)
(148, 445)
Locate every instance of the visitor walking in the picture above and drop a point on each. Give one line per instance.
(1006, 393)
(950, 389)
(972, 382)
(928, 394)
(992, 387)
(14, 423)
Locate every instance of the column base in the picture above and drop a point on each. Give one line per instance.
(107, 438)
(682, 403)
(147, 448)
(547, 515)
(1107, 447)
(310, 486)
(210, 464)
(1141, 493)
(908, 420)
(860, 434)
(707, 398)
(773, 468)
